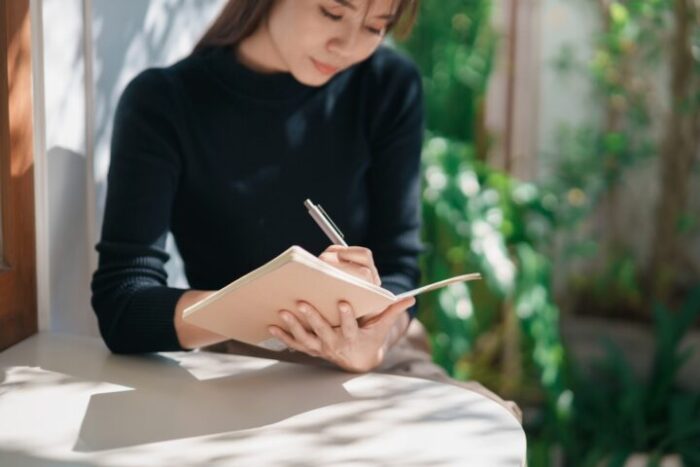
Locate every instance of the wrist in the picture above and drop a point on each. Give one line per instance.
(189, 335)
(397, 331)
(368, 365)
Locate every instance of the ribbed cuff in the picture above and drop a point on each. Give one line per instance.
(147, 324)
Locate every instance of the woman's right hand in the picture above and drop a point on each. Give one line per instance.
(355, 260)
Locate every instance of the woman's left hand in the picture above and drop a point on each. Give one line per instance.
(353, 347)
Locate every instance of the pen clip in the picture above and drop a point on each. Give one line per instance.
(330, 221)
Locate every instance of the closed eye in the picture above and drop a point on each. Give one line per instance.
(333, 17)
(330, 15)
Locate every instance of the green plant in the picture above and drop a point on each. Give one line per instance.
(503, 331)
(478, 218)
(615, 413)
(453, 44)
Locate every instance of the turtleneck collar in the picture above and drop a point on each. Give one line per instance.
(278, 86)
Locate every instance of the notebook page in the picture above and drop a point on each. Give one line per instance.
(440, 284)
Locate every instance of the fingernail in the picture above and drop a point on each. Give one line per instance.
(285, 316)
(303, 308)
(344, 307)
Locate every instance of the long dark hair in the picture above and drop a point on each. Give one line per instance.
(240, 18)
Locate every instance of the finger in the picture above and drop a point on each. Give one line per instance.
(389, 316)
(355, 260)
(368, 273)
(329, 257)
(355, 248)
(363, 272)
(353, 254)
(289, 341)
(356, 270)
(297, 331)
(348, 323)
(318, 323)
(336, 248)
(363, 256)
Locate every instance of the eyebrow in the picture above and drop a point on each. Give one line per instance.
(349, 4)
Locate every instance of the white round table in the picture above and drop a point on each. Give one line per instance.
(65, 400)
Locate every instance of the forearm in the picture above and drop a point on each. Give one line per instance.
(189, 335)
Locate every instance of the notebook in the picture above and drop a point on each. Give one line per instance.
(245, 308)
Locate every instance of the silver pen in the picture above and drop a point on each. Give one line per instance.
(324, 221)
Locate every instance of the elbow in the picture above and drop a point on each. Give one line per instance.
(114, 345)
(107, 321)
(111, 338)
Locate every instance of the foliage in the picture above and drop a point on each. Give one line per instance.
(480, 219)
(453, 45)
(651, 415)
(627, 68)
(504, 330)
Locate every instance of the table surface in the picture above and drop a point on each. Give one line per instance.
(66, 400)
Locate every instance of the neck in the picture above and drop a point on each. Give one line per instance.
(258, 52)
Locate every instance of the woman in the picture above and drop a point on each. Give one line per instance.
(281, 100)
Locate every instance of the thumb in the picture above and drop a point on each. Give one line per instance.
(388, 317)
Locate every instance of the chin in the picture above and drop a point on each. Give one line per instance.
(307, 74)
(312, 79)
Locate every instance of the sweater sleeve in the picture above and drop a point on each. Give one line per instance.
(134, 306)
(396, 142)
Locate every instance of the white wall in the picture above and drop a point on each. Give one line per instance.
(564, 99)
(82, 82)
(542, 98)
(545, 100)
(569, 99)
(65, 167)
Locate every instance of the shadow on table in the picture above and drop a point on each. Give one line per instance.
(162, 400)
(159, 398)
(13, 457)
(181, 406)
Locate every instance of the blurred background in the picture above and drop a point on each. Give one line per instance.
(561, 160)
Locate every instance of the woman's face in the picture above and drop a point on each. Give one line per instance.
(315, 39)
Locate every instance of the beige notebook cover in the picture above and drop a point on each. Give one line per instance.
(245, 308)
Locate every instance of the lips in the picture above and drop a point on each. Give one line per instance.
(324, 68)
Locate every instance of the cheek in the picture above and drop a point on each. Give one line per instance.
(303, 39)
(368, 47)
(363, 49)
(290, 29)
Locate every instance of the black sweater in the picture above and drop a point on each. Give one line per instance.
(224, 157)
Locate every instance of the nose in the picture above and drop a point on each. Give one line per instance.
(343, 42)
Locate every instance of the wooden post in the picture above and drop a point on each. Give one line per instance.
(18, 302)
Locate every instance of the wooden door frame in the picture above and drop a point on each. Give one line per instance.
(18, 274)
